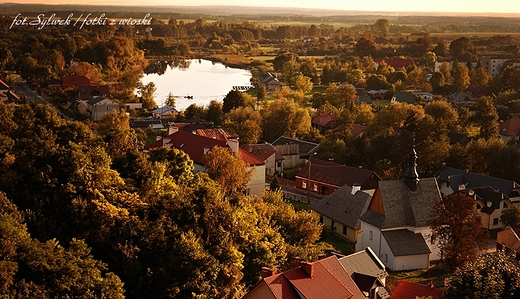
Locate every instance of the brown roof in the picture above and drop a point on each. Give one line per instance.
(191, 144)
(344, 207)
(262, 151)
(250, 159)
(216, 132)
(328, 277)
(74, 80)
(338, 175)
(510, 127)
(324, 119)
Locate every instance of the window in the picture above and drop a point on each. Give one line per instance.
(315, 188)
(504, 205)
(279, 164)
(304, 185)
(495, 221)
(386, 258)
(321, 219)
(344, 230)
(371, 235)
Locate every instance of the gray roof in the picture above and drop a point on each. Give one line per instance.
(96, 100)
(402, 207)
(164, 109)
(404, 242)
(343, 207)
(305, 146)
(456, 177)
(404, 97)
(364, 262)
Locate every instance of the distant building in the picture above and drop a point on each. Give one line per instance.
(100, 106)
(493, 66)
(269, 81)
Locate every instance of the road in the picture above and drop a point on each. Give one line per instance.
(31, 96)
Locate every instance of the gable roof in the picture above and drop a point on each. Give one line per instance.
(404, 97)
(490, 198)
(304, 146)
(164, 109)
(216, 132)
(250, 159)
(98, 99)
(470, 180)
(510, 127)
(459, 138)
(324, 119)
(263, 151)
(412, 290)
(401, 207)
(364, 262)
(193, 145)
(344, 207)
(328, 277)
(338, 175)
(403, 242)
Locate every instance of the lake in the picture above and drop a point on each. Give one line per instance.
(203, 80)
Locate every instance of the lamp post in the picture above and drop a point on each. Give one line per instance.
(309, 181)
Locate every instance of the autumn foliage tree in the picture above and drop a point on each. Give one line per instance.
(456, 226)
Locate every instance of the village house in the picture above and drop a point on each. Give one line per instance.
(509, 130)
(197, 145)
(266, 152)
(269, 81)
(413, 290)
(395, 224)
(7, 96)
(325, 278)
(165, 112)
(100, 106)
(295, 152)
(452, 179)
(368, 272)
(324, 177)
(340, 211)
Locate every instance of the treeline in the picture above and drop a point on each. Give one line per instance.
(92, 215)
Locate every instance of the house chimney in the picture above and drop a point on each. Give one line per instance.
(267, 272)
(355, 188)
(308, 268)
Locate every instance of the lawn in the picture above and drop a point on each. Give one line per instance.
(298, 205)
(435, 273)
(340, 245)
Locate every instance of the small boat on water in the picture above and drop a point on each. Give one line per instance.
(188, 97)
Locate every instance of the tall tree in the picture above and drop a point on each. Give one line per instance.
(233, 100)
(510, 216)
(246, 122)
(146, 93)
(456, 226)
(285, 118)
(487, 117)
(382, 26)
(228, 169)
(461, 79)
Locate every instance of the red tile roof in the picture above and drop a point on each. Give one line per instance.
(357, 129)
(328, 280)
(191, 144)
(74, 80)
(337, 175)
(510, 127)
(250, 159)
(217, 132)
(324, 119)
(261, 151)
(412, 290)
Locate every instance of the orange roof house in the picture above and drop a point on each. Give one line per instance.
(324, 278)
(412, 290)
(509, 129)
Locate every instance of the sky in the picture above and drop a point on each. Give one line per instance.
(470, 6)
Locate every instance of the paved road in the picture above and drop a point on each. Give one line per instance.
(31, 96)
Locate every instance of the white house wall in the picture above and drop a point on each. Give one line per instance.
(366, 239)
(256, 184)
(411, 262)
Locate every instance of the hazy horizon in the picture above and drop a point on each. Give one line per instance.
(439, 6)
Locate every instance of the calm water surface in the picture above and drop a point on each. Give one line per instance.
(203, 80)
